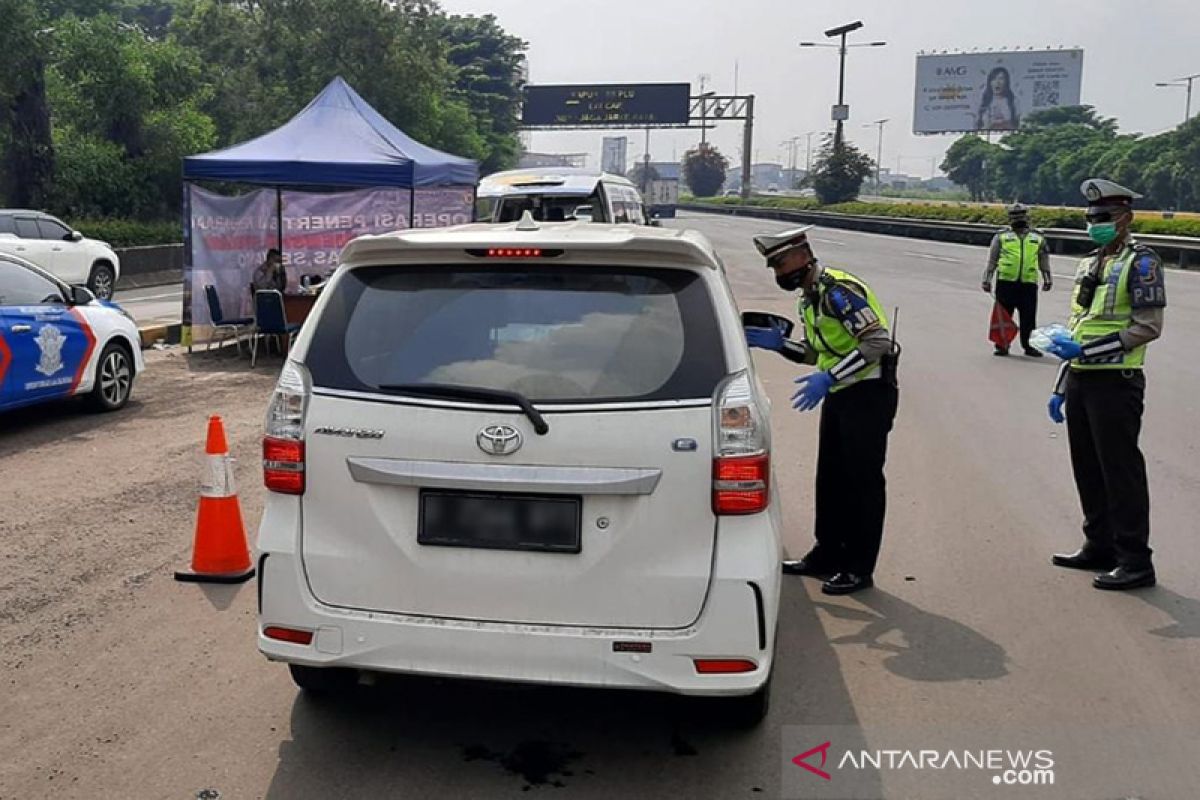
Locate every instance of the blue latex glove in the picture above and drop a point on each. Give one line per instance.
(1055, 406)
(1064, 347)
(765, 338)
(812, 391)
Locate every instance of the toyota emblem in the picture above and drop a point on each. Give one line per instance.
(499, 440)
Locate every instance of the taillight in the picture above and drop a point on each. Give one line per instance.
(283, 465)
(283, 444)
(741, 457)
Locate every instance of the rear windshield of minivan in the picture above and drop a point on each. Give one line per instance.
(573, 334)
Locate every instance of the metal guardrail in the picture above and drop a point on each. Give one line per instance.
(150, 266)
(1179, 251)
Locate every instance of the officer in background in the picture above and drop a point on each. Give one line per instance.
(1116, 310)
(1016, 257)
(846, 337)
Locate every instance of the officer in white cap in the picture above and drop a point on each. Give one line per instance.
(1016, 258)
(846, 337)
(1116, 310)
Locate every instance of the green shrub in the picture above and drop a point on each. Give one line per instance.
(964, 212)
(129, 233)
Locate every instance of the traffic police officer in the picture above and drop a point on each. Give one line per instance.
(846, 337)
(1116, 310)
(1016, 257)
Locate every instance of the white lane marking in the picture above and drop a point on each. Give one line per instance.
(829, 241)
(933, 257)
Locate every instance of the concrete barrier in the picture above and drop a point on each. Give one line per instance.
(1176, 251)
(157, 265)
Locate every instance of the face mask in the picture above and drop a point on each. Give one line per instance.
(1020, 225)
(792, 280)
(1102, 233)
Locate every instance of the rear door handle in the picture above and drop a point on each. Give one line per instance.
(22, 328)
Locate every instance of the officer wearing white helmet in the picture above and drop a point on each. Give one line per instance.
(1116, 310)
(1018, 255)
(846, 337)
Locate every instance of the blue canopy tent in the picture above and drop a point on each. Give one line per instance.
(338, 142)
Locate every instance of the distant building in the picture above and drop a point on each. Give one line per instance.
(762, 177)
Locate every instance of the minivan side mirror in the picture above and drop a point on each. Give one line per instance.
(765, 319)
(81, 296)
(75, 236)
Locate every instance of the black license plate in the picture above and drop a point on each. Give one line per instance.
(543, 523)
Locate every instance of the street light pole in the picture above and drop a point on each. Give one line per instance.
(1187, 83)
(841, 113)
(879, 155)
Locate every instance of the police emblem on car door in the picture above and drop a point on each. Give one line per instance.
(50, 341)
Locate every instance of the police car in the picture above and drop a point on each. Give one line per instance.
(59, 341)
(531, 453)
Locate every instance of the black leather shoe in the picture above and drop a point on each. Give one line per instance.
(1122, 578)
(1082, 559)
(1033, 353)
(807, 566)
(846, 583)
(1000, 351)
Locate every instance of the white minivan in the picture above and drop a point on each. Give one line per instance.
(525, 453)
(560, 194)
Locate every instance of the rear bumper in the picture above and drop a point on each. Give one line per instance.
(737, 622)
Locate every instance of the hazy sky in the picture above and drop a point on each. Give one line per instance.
(1128, 46)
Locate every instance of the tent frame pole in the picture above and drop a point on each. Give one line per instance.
(412, 206)
(279, 220)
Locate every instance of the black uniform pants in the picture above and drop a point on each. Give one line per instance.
(1104, 419)
(1021, 298)
(851, 488)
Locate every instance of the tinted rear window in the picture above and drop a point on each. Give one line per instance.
(568, 335)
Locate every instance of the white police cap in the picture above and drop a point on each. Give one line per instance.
(770, 244)
(1103, 192)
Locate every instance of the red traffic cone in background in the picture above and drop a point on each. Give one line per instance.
(219, 554)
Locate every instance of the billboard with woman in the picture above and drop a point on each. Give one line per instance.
(978, 92)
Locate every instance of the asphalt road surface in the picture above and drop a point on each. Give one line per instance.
(118, 682)
(152, 304)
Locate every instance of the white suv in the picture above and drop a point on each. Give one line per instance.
(524, 455)
(60, 250)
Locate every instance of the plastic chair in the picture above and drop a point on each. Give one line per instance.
(270, 320)
(224, 327)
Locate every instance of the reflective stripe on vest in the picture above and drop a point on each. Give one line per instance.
(1111, 311)
(1019, 257)
(828, 336)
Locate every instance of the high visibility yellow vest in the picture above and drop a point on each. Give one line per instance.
(1111, 310)
(827, 335)
(1019, 257)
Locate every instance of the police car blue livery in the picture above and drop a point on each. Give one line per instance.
(59, 341)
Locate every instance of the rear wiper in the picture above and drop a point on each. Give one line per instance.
(448, 391)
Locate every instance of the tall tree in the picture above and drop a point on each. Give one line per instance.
(839, 171)
(704, 170)
(487, 78)
(966, 163)
(27, 166)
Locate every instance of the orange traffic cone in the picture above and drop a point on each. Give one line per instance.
(220, 554)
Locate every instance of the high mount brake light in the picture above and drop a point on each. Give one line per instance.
(513, 252)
